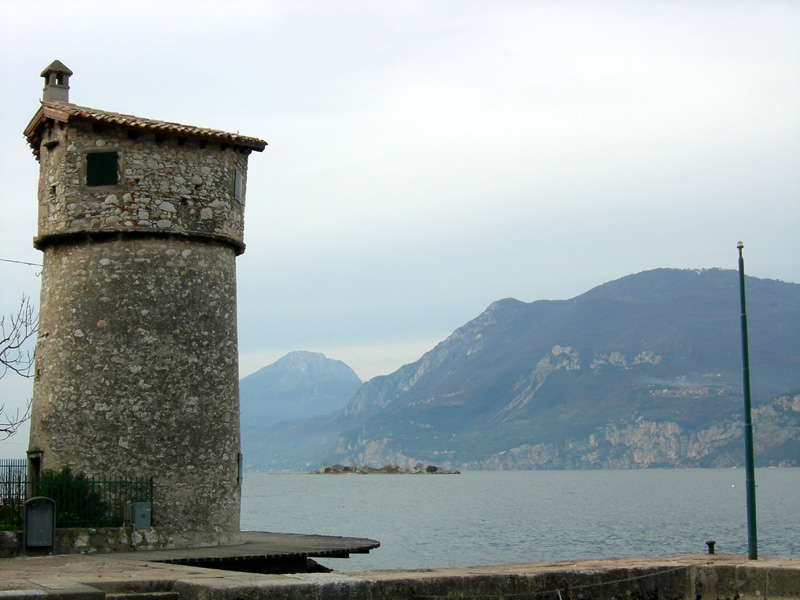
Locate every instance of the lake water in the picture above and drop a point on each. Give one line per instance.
(493, 517)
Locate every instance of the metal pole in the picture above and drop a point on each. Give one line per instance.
(752, 541)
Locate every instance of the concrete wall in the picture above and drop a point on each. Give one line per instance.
(595, 580)
(692, 577)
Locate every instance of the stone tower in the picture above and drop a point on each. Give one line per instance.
(140, 222)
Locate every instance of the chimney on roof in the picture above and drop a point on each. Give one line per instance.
(56, 82)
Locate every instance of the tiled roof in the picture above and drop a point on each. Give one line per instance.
(64, 112)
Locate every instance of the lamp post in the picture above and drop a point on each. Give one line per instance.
(752, 541)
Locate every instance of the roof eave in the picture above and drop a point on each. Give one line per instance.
(52, 111)
(234, 140)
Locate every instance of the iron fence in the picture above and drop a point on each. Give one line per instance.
(80, 501)
(13, 468)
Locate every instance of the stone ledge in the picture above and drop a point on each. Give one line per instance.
(690, 577)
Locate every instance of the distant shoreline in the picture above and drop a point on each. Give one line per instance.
(385, 470)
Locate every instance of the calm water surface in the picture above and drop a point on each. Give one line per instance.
(491, 517)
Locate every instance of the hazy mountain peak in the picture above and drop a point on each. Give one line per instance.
(299, 385)
(302, 360)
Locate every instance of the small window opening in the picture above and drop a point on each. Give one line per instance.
(238, 193)
(101, 168)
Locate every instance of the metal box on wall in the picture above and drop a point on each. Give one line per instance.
(141, 515)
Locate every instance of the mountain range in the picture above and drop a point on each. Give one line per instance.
(644, 371)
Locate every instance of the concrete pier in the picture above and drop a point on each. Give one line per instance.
(688, 577)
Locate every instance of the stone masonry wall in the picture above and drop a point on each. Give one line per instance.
(99, 540)
(136, 359)
(137, 372)
(170, 186)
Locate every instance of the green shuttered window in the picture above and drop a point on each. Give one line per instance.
(101, 168)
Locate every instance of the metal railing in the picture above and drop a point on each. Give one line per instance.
(13, 468)
(80, 501)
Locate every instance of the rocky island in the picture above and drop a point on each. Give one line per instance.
(419, 469)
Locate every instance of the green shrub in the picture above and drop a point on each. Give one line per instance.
(10, 514)
(77, 501)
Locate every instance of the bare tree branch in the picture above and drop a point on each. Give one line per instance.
(10, 423)
(14, 334)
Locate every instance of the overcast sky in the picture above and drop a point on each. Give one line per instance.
(427, 158)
